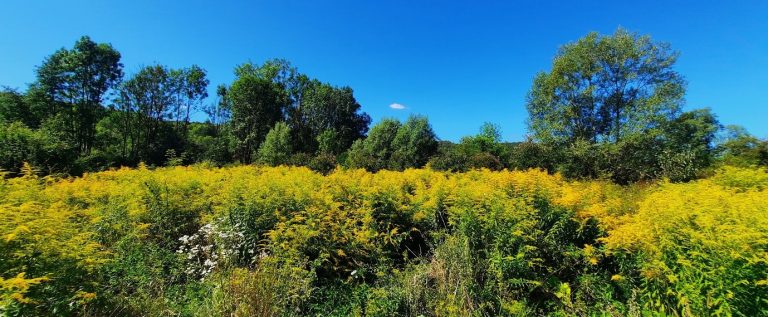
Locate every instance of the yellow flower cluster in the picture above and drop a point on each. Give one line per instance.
(702, 245)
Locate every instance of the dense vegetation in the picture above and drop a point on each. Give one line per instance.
(610, 107)
(265, 241)
(114, 202)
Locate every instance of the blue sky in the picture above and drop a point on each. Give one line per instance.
(459, 63)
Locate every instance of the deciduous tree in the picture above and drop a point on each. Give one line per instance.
(602, 88)
(75, 82)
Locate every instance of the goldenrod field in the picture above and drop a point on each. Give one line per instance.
(275, 241)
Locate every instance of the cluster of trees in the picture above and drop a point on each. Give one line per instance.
(82, 114)
(613, 103)
(610, 107)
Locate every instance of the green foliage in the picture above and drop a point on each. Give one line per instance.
(209, 143)
(74, 82)
(257, 104)
(42, 148)
(276, 148)
(739, 148)
(374, 152)
(153, 102)
(323, 163)
(413, 144)
(396, 146)
(17, 145)
(691, 135)
(200, 241)
(529, 154)
(273, 288)
(13, 108)
(325, 108)
(680, 150)
(639, 157)
(484, 150)
(328, 142)
(448, 158)
(604, 88)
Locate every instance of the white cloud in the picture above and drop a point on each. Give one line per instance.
(397, 106)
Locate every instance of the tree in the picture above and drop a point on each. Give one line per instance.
(276, 148)
(323, 107)
(483, 150)
(393, 145)
(146, 101)
(75, 82)
(611, 107)
(13, 108)
(740, 148)
(413, 145)
(208, 142)
(310, 107)
(530, 154)
(374, 152)
(41, 148)
(220, 111)
(328, 142)
(693, 134)
(278, 71)
(602, 88)
(191, 87)
(257, 104)
(17, 145)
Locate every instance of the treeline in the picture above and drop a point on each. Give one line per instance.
(610, 107)
(83, 114)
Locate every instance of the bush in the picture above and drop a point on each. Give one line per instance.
(276, 148)
(18, 144)
(300, 159)
(528, 154)
(486, 160)
(323, 163)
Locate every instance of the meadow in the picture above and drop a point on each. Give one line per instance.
(280, 241)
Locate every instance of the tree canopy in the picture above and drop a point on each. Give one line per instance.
(602, 88)
(611, 106)
(74, 83)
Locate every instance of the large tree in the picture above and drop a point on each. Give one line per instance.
(191, 87)
(275, 91)
(150, 98)
(374, 152)
(393, 145)
(75, 81)
(13, 108)
(602, 88)
(413, 145)
(145, 103)
(258, 99)
(322, 108)
(220, 111)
